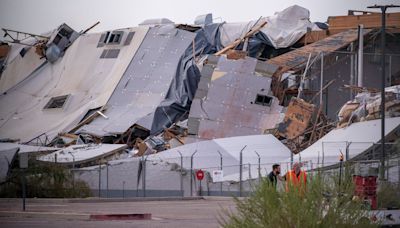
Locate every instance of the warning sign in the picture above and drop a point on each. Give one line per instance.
(218, 175)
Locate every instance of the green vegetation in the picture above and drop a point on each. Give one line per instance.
(323, 205)
(44, 181)
(388, 195)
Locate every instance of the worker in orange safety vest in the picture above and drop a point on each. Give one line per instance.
(296, 179)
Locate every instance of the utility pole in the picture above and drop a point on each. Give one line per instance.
(383, 8)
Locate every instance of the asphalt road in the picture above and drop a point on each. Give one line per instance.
(61, 213)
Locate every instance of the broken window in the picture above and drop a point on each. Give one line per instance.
(263, 100)
(111, 38)
(114, 38)
(56, 102)
(67, 32)
(103, 39)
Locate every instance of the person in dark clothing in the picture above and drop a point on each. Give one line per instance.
(274, 174)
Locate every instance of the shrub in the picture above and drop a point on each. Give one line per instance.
(323, 205)
(44, 181)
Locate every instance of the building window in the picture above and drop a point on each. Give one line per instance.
(263, 100)
(109, 54)
(114, 38)
(56, 102)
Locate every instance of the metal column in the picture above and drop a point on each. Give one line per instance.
(383, 61)
(360, 58)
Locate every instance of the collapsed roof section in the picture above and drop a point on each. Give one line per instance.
(283, 29)
(32, 54)
(146, 83)
(55, 98)
(77, 155)
(107, 84)
(19, 64)
(233, 99)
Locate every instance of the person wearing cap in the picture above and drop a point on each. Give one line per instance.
(296, 178)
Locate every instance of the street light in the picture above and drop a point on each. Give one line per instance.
(383, 8)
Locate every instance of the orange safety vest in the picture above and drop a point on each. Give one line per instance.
(296, 181)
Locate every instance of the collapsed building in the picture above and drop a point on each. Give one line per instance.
(278, 87)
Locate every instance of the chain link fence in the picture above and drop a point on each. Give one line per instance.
(163, 177)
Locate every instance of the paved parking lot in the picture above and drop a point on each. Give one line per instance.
(64, 213)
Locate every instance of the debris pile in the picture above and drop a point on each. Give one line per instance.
(161, 85)
(367, 106)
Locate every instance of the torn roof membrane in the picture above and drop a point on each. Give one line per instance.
(145, 83)
(282, 30)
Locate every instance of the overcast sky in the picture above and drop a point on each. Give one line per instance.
(38, 16)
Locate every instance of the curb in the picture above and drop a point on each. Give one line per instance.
(28, 214)
(97, 200)
(145, 216)
(139, 199)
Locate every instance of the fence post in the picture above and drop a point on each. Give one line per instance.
(191, 173)
(144, 160)
(240, 170)
(72, 171)
(347, 150)
(123, 189)
(373, 151)
(107, 177)
(291, 159)
(249, 171)
(259, 167)
(312, 167)
(323, 155)
(221, 160)
(181, 181)
(99, 179)
(398, 175)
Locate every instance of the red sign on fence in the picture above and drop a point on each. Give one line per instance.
(200, 174)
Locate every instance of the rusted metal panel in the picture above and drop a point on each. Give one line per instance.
(373, 20)
(298, 57)
(4, 49)
(297, 118)
(313, 36)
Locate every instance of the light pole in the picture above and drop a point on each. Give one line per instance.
(383, 8)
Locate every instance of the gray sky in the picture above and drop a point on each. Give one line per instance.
(38, 16)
